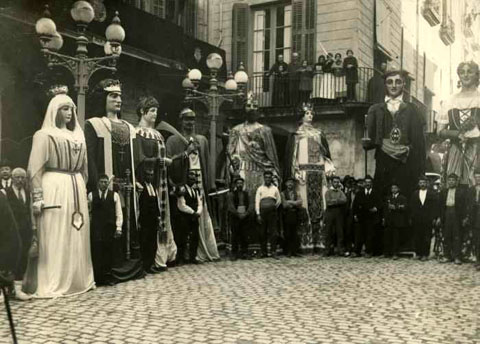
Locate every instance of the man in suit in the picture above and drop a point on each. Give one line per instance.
(149, 221)
(105, 226)
(240, 214)
(396, 132)
(292, 208)
(424, 214)
(454, 209)
(5, 174)
(366, 212)
(475, 216)
(395, 221)
(190, 206)
(19, 200)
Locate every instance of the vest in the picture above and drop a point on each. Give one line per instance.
(236, 199)
(103, 217)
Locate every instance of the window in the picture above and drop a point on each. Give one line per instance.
(158, 8)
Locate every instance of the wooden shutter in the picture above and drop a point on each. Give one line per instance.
(303, 29)
(190, 18)
(240, 16)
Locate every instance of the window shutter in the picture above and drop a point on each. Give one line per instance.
(303, 29)
(190, 18)
(239, 35)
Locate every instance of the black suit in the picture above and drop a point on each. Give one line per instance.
(368, 220)
(187, 230)
(452, 221)
(422, 217)
(395, 222)
(475, 217)
(241, 222)
(148, 220)
(10, 244)
(23, 218)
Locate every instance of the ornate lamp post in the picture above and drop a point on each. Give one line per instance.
(213, 98)
(81, 66)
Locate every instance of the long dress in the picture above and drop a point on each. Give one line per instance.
(461, 113)
(308, 161)
(198, 162)
(109, 145)
(151, 145)
(317, 89)
(58, 165)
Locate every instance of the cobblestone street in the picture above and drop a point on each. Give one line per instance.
(301, 300)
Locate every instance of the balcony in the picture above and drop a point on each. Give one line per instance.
(447, 31)
(431, 12)
(326, 89)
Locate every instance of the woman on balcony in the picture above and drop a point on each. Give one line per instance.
(350, 67)
(305, 73)
(339, 78)
(458, 122)
(318, 71)
(328, 89)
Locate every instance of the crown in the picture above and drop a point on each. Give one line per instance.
(307, 107)
(112, 86)
(187, 112)
(57, 89)
(252, 103)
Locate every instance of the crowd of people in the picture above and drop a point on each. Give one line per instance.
(331, 78)
(113, 202)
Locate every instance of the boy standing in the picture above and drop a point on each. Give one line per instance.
(395, 221)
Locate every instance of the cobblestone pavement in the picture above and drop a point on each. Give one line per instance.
(301, 300)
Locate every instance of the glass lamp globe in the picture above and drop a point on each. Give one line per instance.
(187, 83)
(45, 27)
(231, 85)
(241, 77)
(82, 12)
(214, 61)
(56, 43)
(115, 31)
(195, 75)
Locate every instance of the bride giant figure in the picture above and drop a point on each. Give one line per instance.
(58, 170)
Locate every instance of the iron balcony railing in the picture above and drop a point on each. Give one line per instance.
(315, 87)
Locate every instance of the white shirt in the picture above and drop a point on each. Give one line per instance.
(118, 207)
(264, 191)
(393, 104)
(6, 183)
(368, 191)
(422, 194)
(150, 190)
(20, 193)
(182, 204)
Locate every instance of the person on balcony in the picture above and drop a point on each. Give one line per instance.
(395, 130)
(318, 75)
(305, 73)
(458, 122)
(350, 67)
(279, 71)
(294, 80)
(308, 161)
(339, 78)
(328, 78)
(376, 85)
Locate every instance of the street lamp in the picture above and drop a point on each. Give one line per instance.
(214, 98)
(81, 66)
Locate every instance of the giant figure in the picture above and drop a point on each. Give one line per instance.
(396, 132)
(308, 162)
(110, 151)
(458, 122)
(151, 153)
(195, 148)
(58, 171)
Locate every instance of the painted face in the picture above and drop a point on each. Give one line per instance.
(151, 115)
(308, 116)
(19, 179)
(422, 184)
(252, 116)
(5, 172)
(103, 184)
(394, 85)
(114, 102)
(65, 114)
(467, 75)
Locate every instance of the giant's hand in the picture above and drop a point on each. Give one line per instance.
(37, 207)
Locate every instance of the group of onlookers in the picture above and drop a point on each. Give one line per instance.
(359, 221)
(331, 78)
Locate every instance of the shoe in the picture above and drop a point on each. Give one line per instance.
(424, 259)
(21, 296)
(395, 257)
(354, 255)
(151, 271)
(445, 260)
(458, 262)
(347, 254)
(159, 268)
